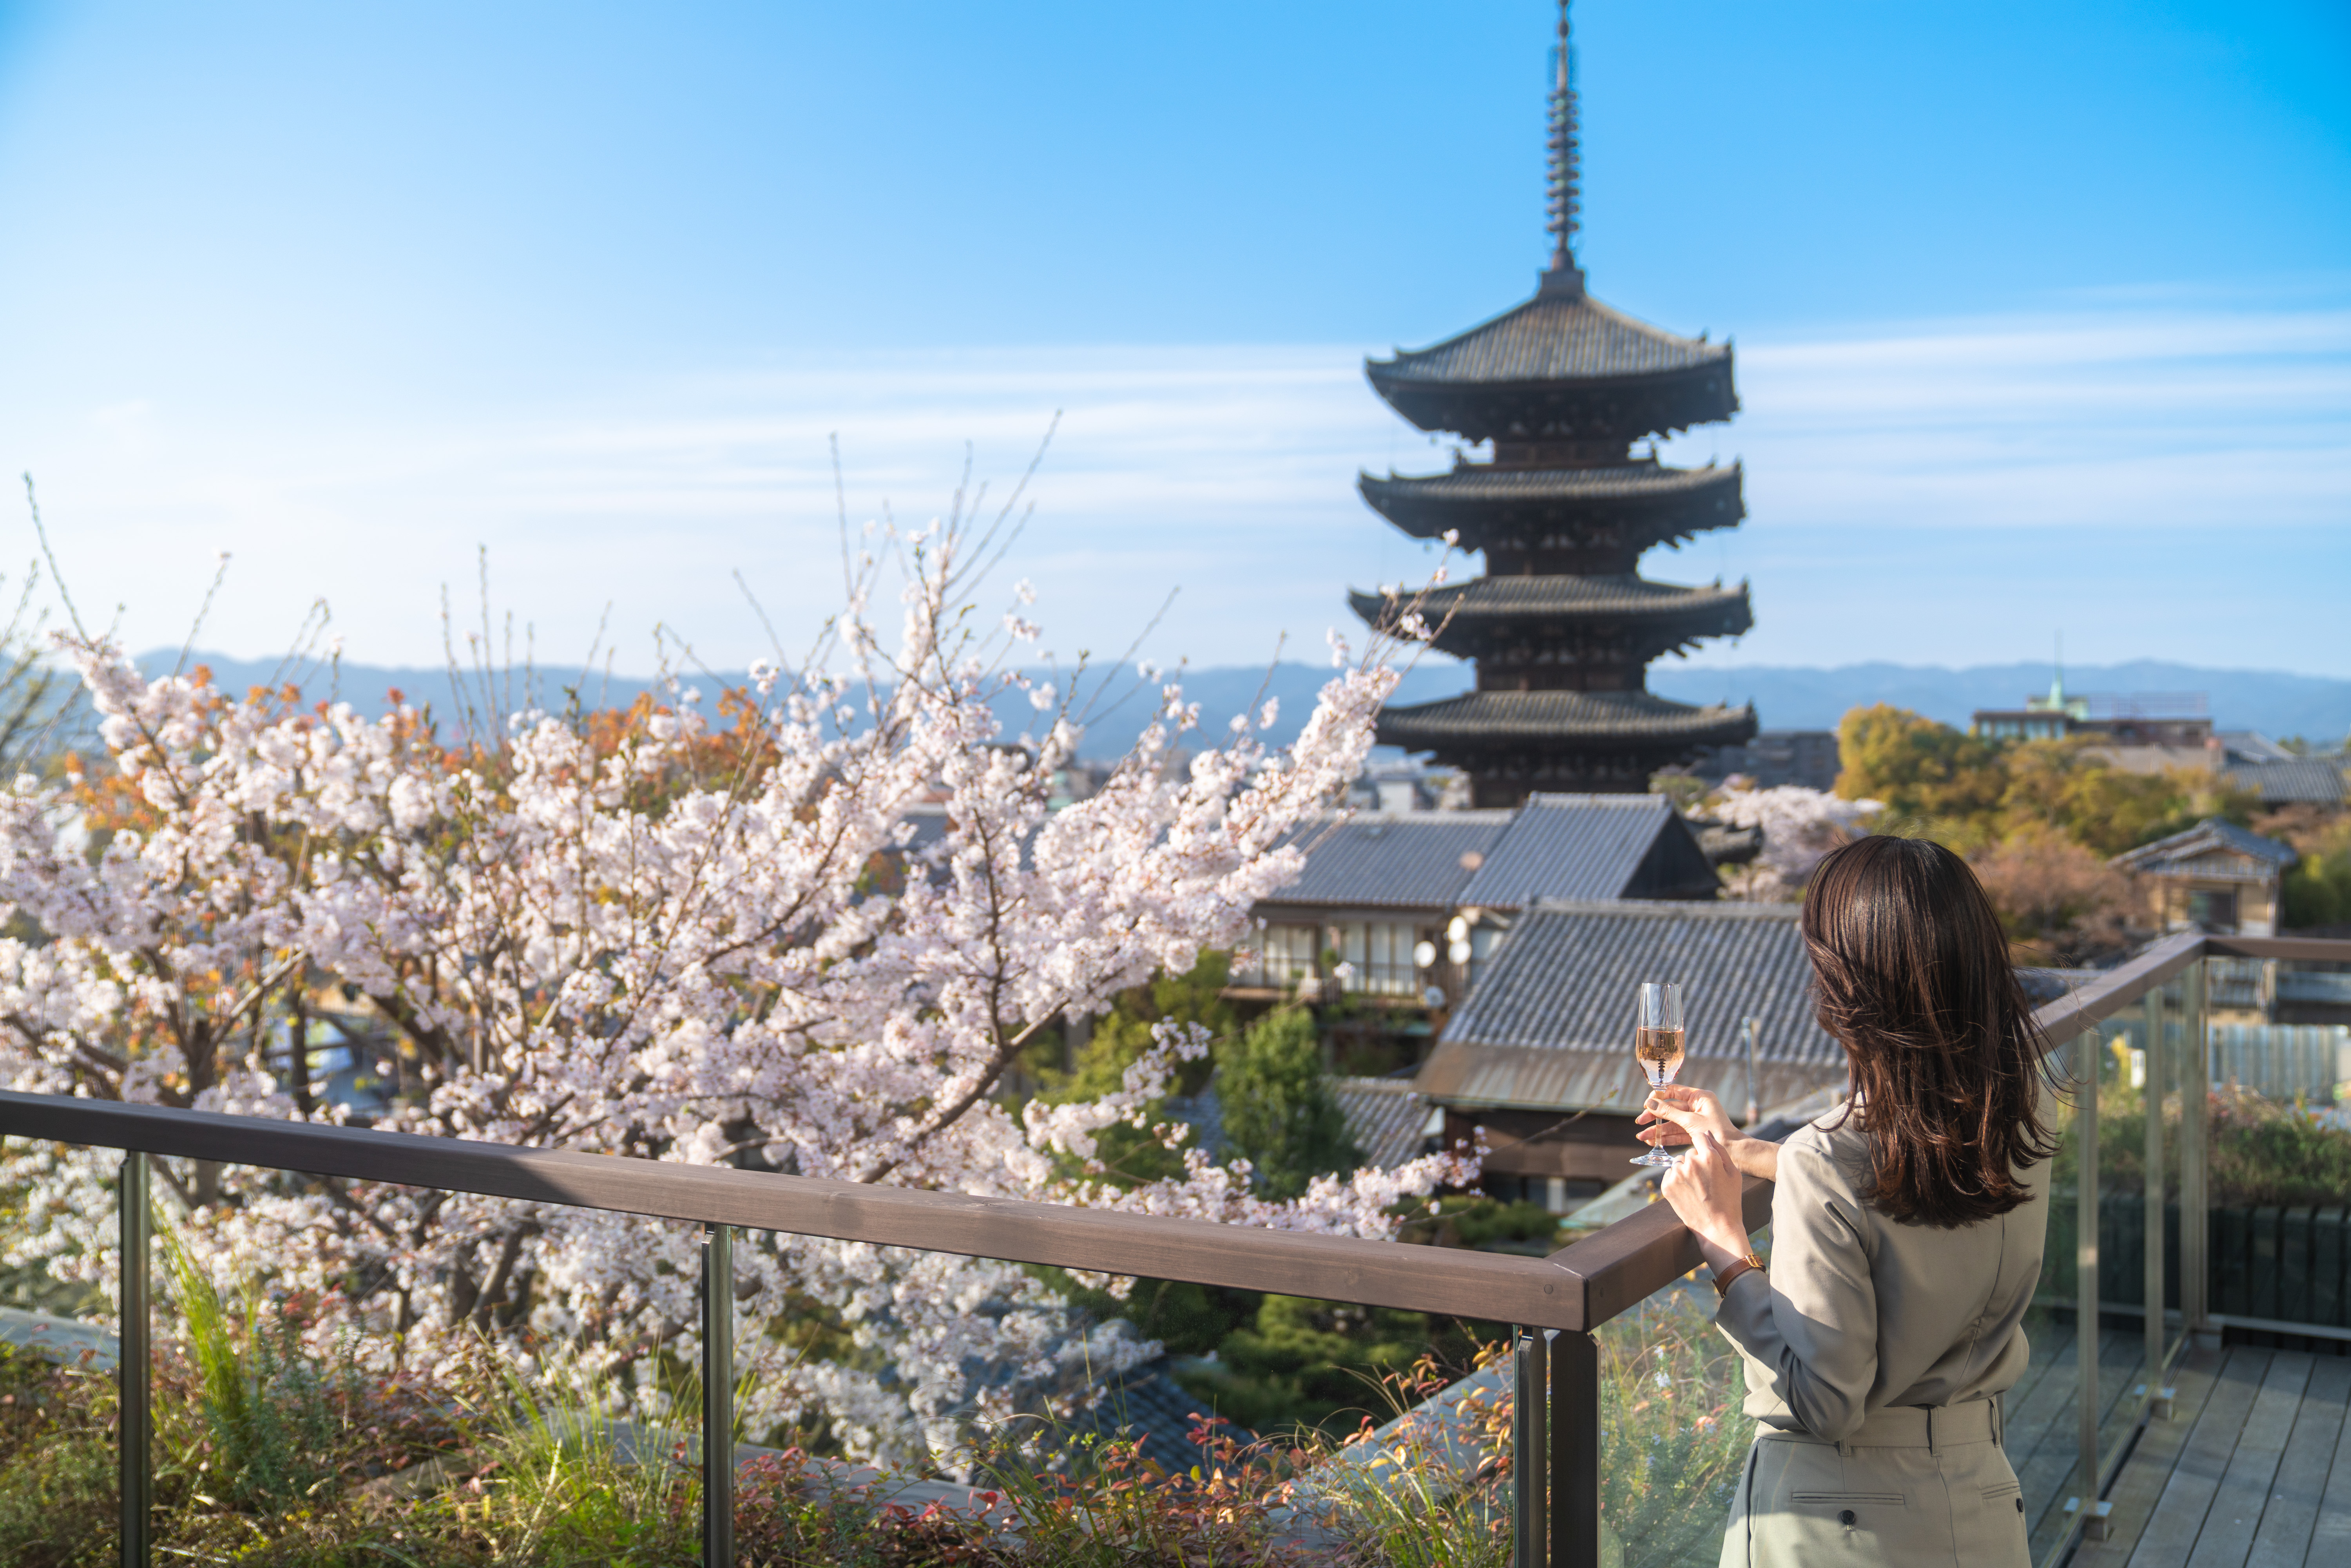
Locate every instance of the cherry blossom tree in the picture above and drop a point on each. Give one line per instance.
(807, 931)
(1799, 825)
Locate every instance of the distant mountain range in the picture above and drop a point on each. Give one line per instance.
(1792, 698)
(1786, 698)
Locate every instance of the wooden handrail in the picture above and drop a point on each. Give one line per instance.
(2120, 987)
(1487, 1286)
(1577, 1288)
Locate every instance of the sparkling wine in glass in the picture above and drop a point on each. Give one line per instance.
(1658, 1041)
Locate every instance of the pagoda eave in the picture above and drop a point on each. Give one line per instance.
(1648, 504)
(1625, 408)
(1635, 721)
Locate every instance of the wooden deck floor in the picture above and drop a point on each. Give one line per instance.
(2250, 1471)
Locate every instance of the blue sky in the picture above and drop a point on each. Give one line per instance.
(2044, 312)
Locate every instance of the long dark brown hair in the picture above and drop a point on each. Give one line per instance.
(1911, 975)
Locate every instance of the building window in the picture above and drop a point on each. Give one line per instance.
(1285, 955)
(1380, 953)
(2211, 909)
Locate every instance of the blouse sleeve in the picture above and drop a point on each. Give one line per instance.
(1812, 1318)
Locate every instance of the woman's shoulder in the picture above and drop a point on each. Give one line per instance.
(1829, 1148)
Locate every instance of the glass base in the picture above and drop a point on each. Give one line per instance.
(1655, 1157)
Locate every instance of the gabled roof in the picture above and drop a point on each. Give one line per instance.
(1392, 860)
(1556, 336)
(1549, 1023)
(1555, 846)
(1577, 846)
(2209, 839)
(1519, 718)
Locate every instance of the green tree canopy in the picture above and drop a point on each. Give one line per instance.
(1919, 768)
(1279, 1111)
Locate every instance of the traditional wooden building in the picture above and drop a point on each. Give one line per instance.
(1562, 627)
(2215, 877)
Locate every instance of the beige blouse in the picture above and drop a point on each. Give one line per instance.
(1857, 1313)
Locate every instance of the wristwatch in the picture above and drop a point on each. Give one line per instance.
(1737, 1267)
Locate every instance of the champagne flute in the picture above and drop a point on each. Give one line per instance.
(1658, 1041)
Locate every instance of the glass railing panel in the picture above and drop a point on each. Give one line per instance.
(2278, 1154)
(2044, 1412)
(1673, 1437)
(57, 1356)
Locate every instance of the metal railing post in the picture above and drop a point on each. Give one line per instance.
(1575, 1451)
(132, 1363)
(2091, 1512)
(1530, 1455)
(718, 1396)
(2158, 1396)
(2195, 1131)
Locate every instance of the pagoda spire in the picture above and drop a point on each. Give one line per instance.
(1565, 174)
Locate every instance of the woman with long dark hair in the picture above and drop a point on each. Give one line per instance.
(1906, 1230)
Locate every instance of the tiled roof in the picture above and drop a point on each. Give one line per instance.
(1550, 1020)
(1479, 482)
(1612, 597)
(1564, 978)
(1404, 860)
(2314, 779)
(2213, 836)
(1574, 846)
(1385, 1117)
(1550, 337)
(1544, 716)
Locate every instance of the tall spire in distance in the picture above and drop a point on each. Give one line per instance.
(1566, 209)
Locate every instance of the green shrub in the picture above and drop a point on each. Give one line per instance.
(2261, 1153)
(57, 1503)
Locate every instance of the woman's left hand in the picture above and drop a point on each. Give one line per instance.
(1704, 1189)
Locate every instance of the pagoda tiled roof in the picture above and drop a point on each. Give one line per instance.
(1613, 598)
(1557, 336)
(1482, 482)
(1642, 717)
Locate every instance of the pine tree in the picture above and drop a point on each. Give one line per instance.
(1277, 1110)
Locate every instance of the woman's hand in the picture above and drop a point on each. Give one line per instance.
(1674, 1115)
(1704, 1188)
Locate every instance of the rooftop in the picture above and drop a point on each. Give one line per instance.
(1557, 336)
(1583, 846)
(1401, 860)
(1385, 1117)
(2212, 838)
(1555, 846)
(1549, 1024)
(2315, 780)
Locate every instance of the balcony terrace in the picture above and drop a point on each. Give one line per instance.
(2231, 1452)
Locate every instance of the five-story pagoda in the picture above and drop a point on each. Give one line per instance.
(1562, 627)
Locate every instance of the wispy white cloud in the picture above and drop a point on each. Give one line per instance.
(2123, 468)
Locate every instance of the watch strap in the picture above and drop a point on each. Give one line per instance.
(1724, 1277)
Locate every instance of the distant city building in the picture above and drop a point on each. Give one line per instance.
(2168, 719)
(1412, 904)
(2214, 877)
(1561, 628)
(1541, 1056)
